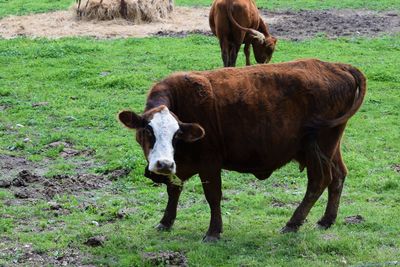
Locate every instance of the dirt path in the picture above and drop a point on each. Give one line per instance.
(287, 25)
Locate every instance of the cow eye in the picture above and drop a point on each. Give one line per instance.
(177, 134)
(175, 138)
(148, 130)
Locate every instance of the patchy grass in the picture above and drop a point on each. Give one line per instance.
(86, 82)
(310, 4)
(22, 7)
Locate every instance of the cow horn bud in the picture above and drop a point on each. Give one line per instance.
(257, 35)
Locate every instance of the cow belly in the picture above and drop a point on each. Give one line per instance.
(260, 173)
(260, 164)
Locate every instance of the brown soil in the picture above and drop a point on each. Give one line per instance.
(25, 179)
(25, 255)
(356, 219)
(166, 258)
(10, 166)
(31, 186)
(64, 23)
(287, 25)
(332, 23)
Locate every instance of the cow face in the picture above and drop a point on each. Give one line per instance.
(263, 49)
(157, 131)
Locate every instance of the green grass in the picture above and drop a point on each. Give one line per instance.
(82, 108)
(310, 4)
(22, 7)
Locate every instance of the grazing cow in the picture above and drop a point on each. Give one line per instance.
(251, 120)
(235, 22)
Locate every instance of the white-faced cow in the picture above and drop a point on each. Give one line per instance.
(251, 120)
(235, 22)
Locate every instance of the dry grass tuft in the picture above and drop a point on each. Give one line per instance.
(137, 11)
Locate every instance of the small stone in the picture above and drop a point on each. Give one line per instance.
(95, 241)
(71, 118)
(114, 175)
(54, 205)
(123, 213)
(21, 194)
(27, 176)
(18, 182)
(26, 140)
(104, 73)
(58, 143)
(5, 183)
(39, 104)
(357, 219)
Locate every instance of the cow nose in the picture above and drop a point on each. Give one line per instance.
(165, 166)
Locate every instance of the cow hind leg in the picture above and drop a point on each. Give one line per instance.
(319, 160)
(247, 53)
(233, 54)
(339, 172)
(224, 45)
(319, 176)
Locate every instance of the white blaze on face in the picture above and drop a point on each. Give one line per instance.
(164, 127)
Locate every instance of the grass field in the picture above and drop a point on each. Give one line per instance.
(87, 81)
(20, 7)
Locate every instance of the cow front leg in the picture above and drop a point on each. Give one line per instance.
(211, 182)
(168, 219)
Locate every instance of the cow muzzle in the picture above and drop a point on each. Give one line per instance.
(163, 167)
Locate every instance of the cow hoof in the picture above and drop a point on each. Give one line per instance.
(210, 238)
(162, 227)
(323, 225)
(289, 229)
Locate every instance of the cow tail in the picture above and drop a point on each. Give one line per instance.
(360, 91)
(232, 19)
(313, 148)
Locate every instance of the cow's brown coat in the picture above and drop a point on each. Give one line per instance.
(257, 119)
(235, 22)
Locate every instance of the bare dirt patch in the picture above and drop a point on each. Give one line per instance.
(26, 180)
(332, 23)
(64, 23)
(356, 219)
(10, 166)
(166, 258)
(184, 20)
(25, 255)
(40, 187)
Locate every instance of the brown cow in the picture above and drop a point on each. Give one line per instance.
(235, 22)
(251, 120)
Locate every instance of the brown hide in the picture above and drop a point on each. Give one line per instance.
(235, 22)
(256, 119)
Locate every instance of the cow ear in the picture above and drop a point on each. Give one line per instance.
(190, 132)
(130, 119)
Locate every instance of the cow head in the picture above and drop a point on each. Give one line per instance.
(263, 46)
(157, 132)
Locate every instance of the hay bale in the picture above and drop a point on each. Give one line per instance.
(137, 11)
